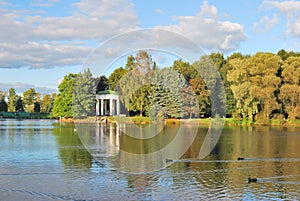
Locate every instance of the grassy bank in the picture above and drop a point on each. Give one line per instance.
(206, 121)
(25, 115)
(147, 120)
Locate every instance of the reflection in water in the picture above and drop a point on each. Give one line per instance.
(136, 155)
(71, 151)
(42, 160)
(274, 160)
(271, 156)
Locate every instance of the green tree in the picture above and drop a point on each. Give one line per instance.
(223, 67)
(134, 85)
(63, 102)
(84, 95)
(46, 103)
(189, 101)
(290, 90)
(101, 83)
(3, 104)
(255, 83)
(194, 79)
(12, 100)
(237, 55)
(131, 64)
(166, 93)
(286, 54)
(115, 77)
(142, 72)
(200, 75)
(37, 103)
(53, 98)
(200, 89)
(38, 97)
(239, 76)
(218, 60)
(265, 82)
(29, 99)
(19, 107)
(207, 71)
(283, 54)
(184, 68)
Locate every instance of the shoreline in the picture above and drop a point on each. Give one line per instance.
(146, 120)
(205, 121)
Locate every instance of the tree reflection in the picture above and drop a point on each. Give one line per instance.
(71, 151)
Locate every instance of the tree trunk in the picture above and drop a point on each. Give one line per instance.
(141, 111)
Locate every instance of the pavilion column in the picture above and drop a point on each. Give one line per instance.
(111, 106)
(118, 106)
(97, 108)
(102, 107)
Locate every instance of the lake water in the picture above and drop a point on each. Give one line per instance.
(47, 160)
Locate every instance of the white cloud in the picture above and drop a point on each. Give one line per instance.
(208, 31)
(291, 11)
(39, 55)
(208, 11)
(112, 52)
(20, 87)
(266, 24)
(90, 20)
(37, 41)
(158, 11)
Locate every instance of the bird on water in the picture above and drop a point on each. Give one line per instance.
(250, 180)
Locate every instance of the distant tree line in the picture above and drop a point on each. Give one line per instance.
(29, 101)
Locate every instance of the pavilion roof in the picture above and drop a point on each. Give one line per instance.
(107, 92)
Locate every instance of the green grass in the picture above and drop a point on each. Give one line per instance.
(205, 121)
(293, 122)
(134, 119)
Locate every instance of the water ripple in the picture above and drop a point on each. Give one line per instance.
(38, 194)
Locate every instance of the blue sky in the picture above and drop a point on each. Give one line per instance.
(43, 40)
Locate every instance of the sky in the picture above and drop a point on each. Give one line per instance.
(43, 40)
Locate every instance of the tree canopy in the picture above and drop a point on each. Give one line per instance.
(63, 102)
(84, 95)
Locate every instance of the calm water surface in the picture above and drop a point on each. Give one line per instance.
(46, 160)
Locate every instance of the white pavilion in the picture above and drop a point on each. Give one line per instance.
(108, 103)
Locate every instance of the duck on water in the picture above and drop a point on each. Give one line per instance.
(252, 180)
